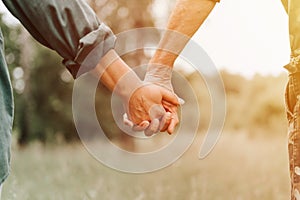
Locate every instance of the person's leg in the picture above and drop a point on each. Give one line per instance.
(293, 9)
(293, 111)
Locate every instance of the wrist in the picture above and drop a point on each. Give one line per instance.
(127, 84)
(159, 75)
(116, 75)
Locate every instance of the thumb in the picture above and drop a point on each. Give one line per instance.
(169, 97)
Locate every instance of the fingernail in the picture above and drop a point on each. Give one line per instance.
(144, 124)
(127, 122)
(168, 115)
(181, 101)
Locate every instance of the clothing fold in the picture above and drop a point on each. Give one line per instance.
(69, 27)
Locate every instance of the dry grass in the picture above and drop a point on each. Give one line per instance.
(239, 168)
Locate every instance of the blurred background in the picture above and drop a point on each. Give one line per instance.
(250, 159)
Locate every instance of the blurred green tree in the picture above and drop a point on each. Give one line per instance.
(13, 58)
(12, 46)
(51, 97)
(43, 88)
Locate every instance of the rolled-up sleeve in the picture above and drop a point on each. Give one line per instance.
(70, 27)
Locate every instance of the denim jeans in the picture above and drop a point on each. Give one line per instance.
(293, 114)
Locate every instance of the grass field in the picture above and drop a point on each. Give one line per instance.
(239, 168)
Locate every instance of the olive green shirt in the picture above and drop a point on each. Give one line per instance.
(72, 29)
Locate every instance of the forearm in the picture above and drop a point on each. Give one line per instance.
(116, 75)
(185, 20)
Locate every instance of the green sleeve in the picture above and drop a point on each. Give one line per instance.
(70, 27)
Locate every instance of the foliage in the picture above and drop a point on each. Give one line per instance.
(43, 88)
(238, 168)
(254, 105)
(51, 96)
(12, 46)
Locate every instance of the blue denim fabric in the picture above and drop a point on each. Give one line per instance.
(6, 115)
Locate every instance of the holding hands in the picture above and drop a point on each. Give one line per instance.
(152, 108)
(159, 91)
(151, 105)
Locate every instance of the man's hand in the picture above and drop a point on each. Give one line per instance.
(160, 75)
(155, 104)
